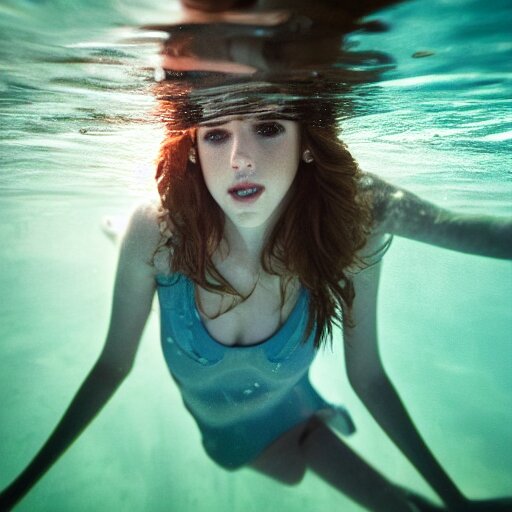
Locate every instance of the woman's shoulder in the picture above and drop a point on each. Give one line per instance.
(391, 206)
(148, 227)
(145, 220)
(375, 192)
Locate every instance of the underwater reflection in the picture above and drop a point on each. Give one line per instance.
(268, 53)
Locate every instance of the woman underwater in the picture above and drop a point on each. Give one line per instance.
(266, 235)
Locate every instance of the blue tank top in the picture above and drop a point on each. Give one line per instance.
(243, 397)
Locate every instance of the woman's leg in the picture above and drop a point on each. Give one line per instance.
(313, 445)
(334, 461)
(283, 459)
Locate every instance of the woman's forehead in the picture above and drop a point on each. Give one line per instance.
(267, 115)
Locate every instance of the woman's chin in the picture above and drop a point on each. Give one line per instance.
(250, 220)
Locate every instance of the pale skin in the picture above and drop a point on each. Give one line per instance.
(264, 155)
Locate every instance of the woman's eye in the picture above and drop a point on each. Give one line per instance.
(215, 136)
(272, 129)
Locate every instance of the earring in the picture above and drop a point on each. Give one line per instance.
(307, 156)
(192, 155)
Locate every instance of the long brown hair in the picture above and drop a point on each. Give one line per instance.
(316, 238)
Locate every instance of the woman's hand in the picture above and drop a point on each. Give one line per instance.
(491, 505)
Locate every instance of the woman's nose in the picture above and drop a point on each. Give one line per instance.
(241, 159)
(241, 162)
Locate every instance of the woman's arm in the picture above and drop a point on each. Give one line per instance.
(369, 380)
(402, 213)
(399, 212)
(133, 293)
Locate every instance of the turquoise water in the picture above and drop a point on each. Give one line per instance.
(76, 146)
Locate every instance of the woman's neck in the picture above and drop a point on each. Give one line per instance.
(245, 246)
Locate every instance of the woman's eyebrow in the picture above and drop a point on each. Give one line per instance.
(261, 117)
(213, 124)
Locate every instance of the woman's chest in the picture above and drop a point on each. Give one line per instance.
(250, 321)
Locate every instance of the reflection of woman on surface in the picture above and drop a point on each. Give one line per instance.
(267, 233)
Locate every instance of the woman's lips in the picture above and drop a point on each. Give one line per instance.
(246, 192)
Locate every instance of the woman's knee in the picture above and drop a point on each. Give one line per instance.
(284, 460)
(286, 469)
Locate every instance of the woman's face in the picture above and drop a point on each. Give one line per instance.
(249, 165)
